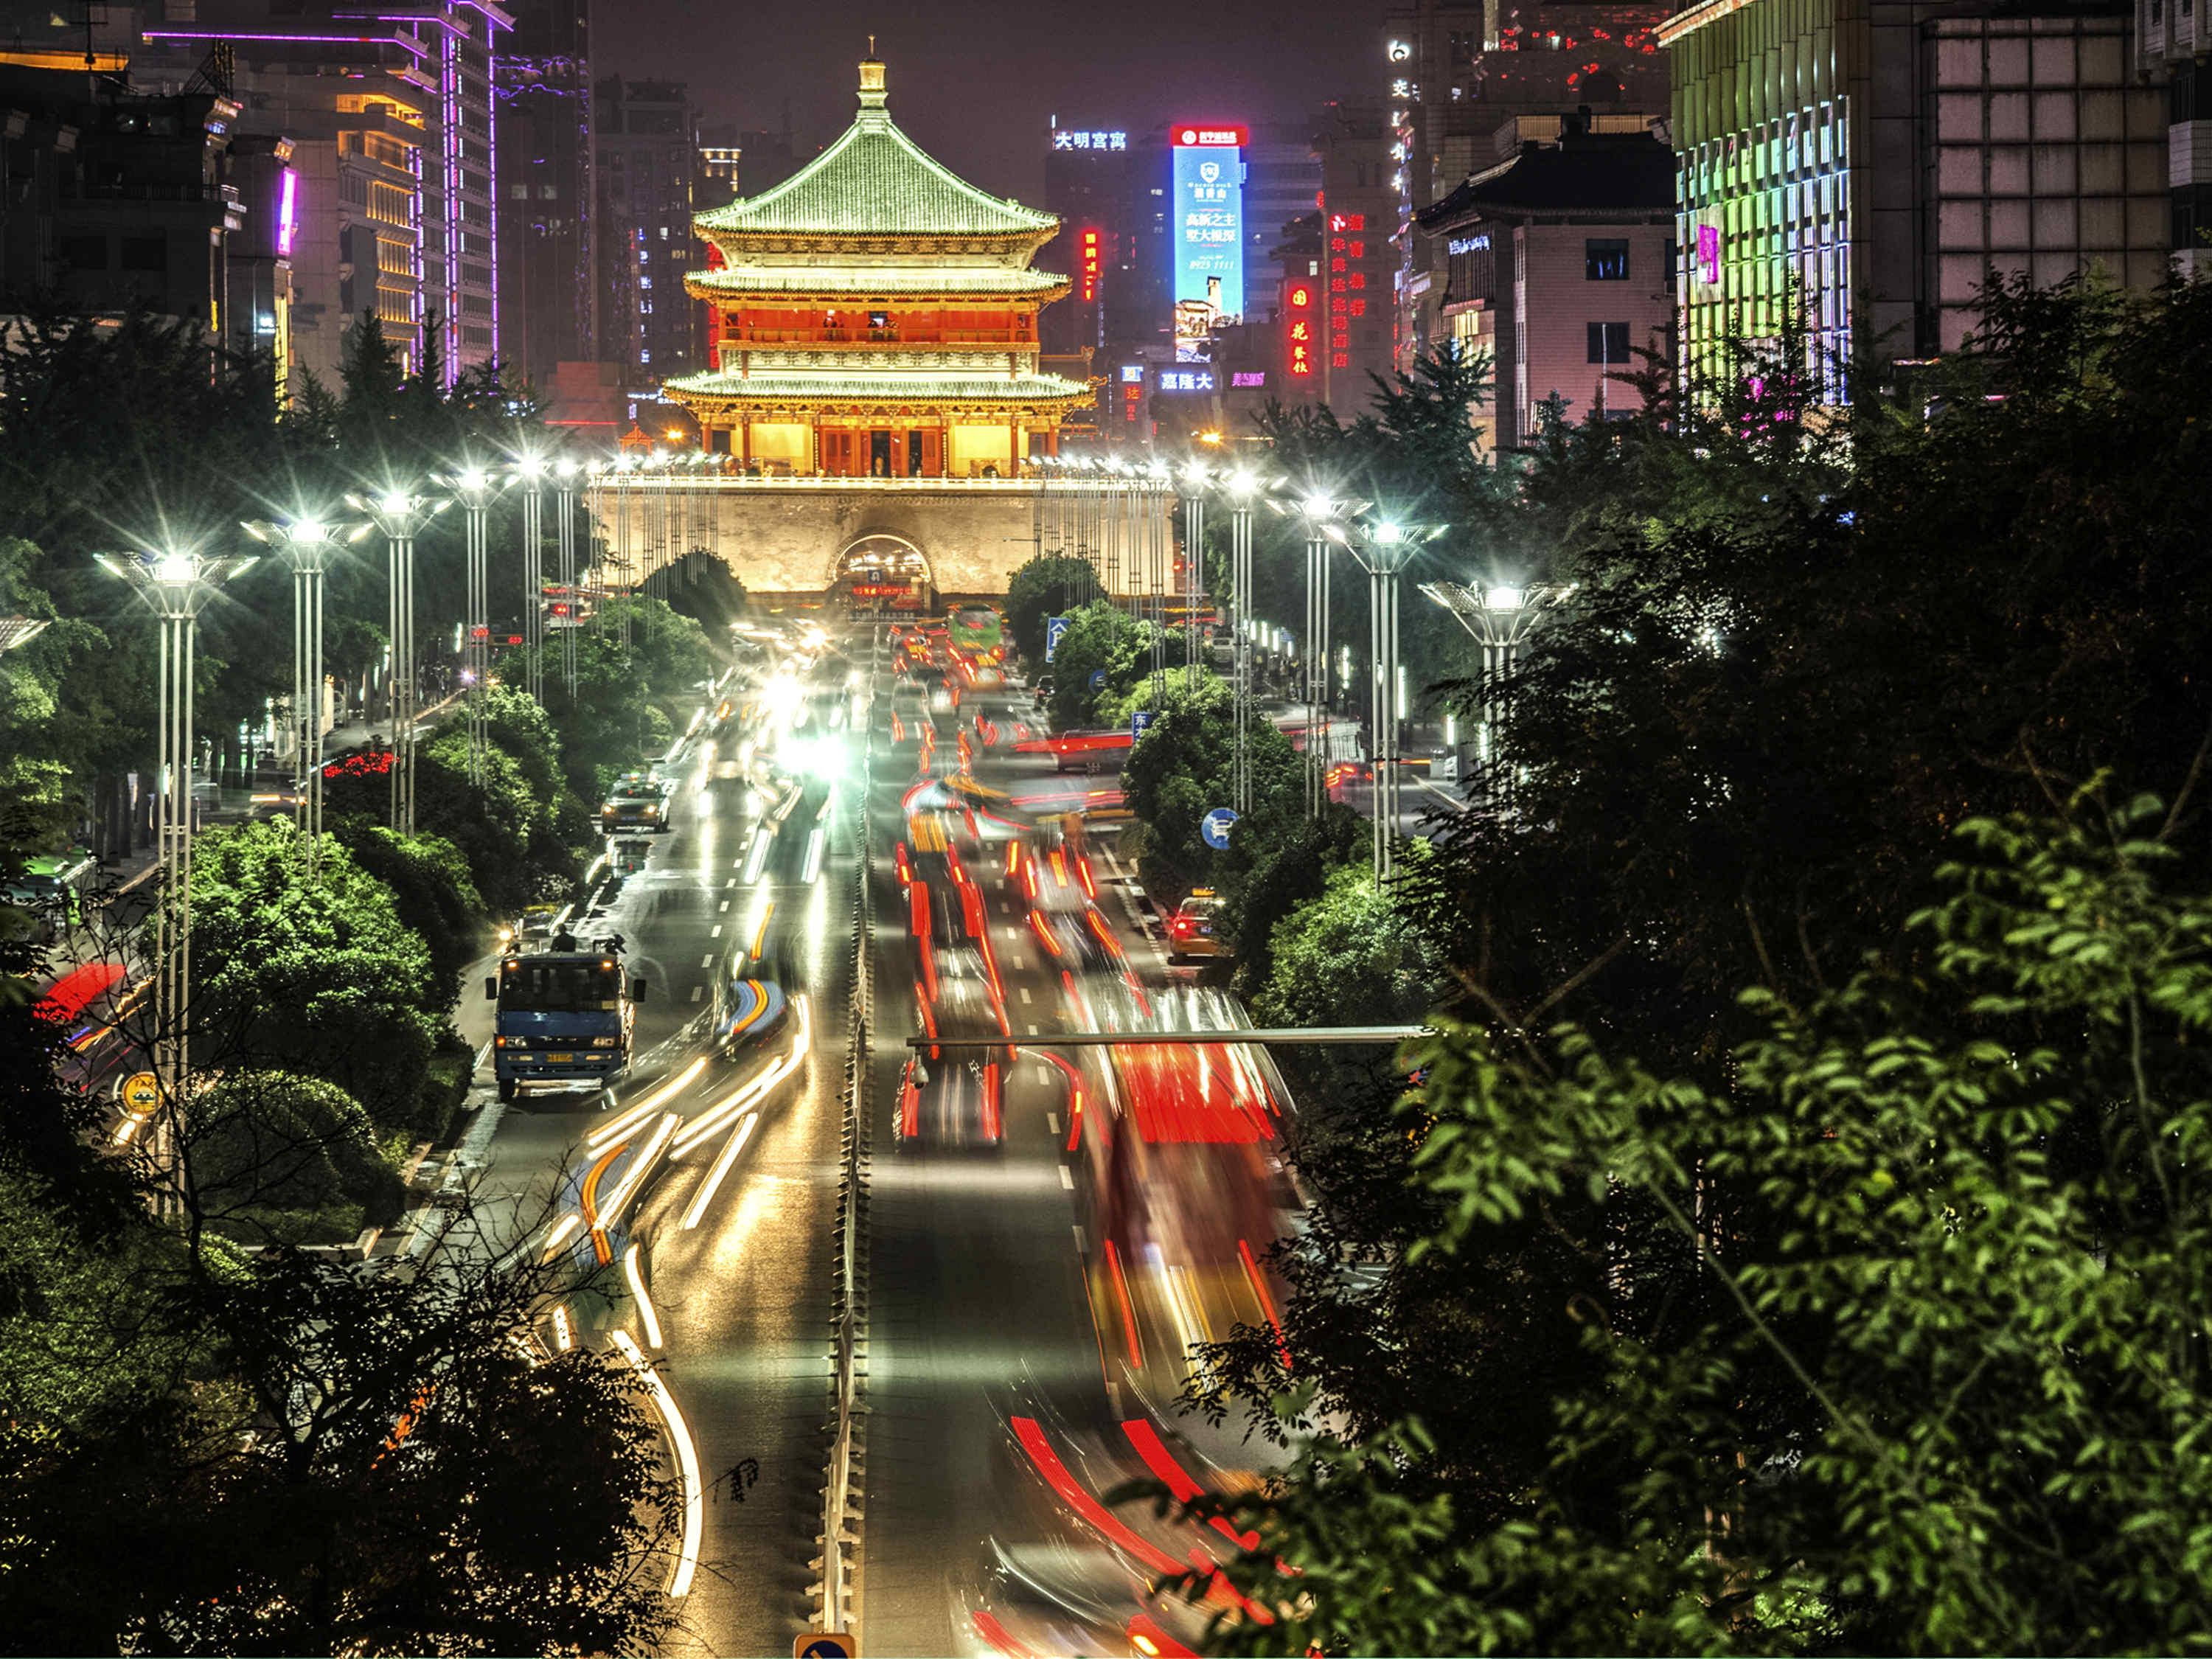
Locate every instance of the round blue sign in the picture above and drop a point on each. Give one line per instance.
(1213, 828)
(1097, 678)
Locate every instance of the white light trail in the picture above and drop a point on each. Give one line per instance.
(645, 1310)
(630, 1116)
(563, 1336)
(687, 1466)
(725, 1111)
(564, 1230)
(722, 1165)
(610, 1209)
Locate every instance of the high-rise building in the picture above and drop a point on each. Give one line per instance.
(1458, 68)
(118, 199)
(1282, 181)
(2168, 41)
(1353, 310)
(543, 115)
(390, 118)
(1864, 165)
(647, 161)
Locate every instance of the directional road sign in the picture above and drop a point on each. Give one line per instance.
(1213, 828)
(1139, 720)
(1054, 628)
(142, 1093)
(825, 1645)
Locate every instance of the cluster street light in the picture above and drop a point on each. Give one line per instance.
(1316, 511)
(1499, 615)
(1243, 489)
(20, 630)
(474, 487)
(1192, 479)
(565, 471)
(174, 587)
(530, 470)
(399, 513)
(305, 541)
(1383, 549)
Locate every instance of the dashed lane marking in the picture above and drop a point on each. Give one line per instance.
(717, 932)
(698, 991)
(1068, 1178)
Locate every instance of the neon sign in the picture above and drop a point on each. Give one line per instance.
(1186, 379)
(1066, 138)
(287, 201)
(1469, 244)
(1089, 264)
(1208, 289)
(1298, 328)
(1220, 138)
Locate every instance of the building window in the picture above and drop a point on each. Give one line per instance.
(1605, 259)
(145, 253)
(1608, 343)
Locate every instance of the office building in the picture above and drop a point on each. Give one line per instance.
(542, 118)
(1864, 164)
(1351, 312)
(646, 154)
(2170, 45)
(1458, 69)
(390, 120)
(1560, 263)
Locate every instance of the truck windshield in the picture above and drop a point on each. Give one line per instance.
(529, 986)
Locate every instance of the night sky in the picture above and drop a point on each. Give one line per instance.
(973, 81)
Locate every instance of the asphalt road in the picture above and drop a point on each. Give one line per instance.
(1036, 1276)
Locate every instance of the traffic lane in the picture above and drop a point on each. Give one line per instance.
(743, 1300)
(979, 1309)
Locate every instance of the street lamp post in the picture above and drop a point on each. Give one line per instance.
(174, 586)
(1383, 549)
(474, 488)
(305, 541)
(564, 504)
(399, 513)
(1499, 615)
(531, 469)
(1316, 513)
(1193, 480)
(20, 630)
(1241, 487)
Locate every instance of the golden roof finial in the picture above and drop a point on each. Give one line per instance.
(872, 78)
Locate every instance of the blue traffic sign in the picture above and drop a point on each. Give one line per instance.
(1054, 628)
(1139, 720)
(1097, 678)
(1214, 827)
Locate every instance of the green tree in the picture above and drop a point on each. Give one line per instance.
(1050, 585)
(432, 889)
(319, 976)
(1100, 638)
(278, 1155)
(1184, 767)
(1891, 1346)
(1352, 957)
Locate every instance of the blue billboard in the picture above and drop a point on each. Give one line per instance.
(1209, 229)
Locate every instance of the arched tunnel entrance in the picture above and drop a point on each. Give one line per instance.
(882, 570)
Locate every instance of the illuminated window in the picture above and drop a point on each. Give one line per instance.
(1605, 259)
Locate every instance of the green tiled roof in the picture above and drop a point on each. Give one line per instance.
(873, 181)
(885, 386)
(886, 279)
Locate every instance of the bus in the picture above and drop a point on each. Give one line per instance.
(978, 630)
(565, 1016)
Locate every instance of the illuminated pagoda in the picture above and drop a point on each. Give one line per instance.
(875, 315)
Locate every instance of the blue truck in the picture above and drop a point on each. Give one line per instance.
(565, 1015)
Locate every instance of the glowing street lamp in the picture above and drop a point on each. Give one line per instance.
(399, 513)
(20, 630)
(1499, 617)
(305, 541)
(174, 587)
(1316, 510)
(1192, 478)
(474, 487)
(531, 471)
(1385, 547)
(565, 473)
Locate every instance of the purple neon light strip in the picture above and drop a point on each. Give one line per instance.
(304, 39)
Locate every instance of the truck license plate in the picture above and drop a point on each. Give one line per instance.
(560, 1060)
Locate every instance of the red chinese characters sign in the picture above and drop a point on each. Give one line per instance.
(1300, 323)
(1347, 279)
(1087, 283)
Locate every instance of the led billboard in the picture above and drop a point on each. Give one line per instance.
(1209, 234)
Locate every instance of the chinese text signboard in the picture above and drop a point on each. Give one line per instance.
(1299, 326)
(1209, 229)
